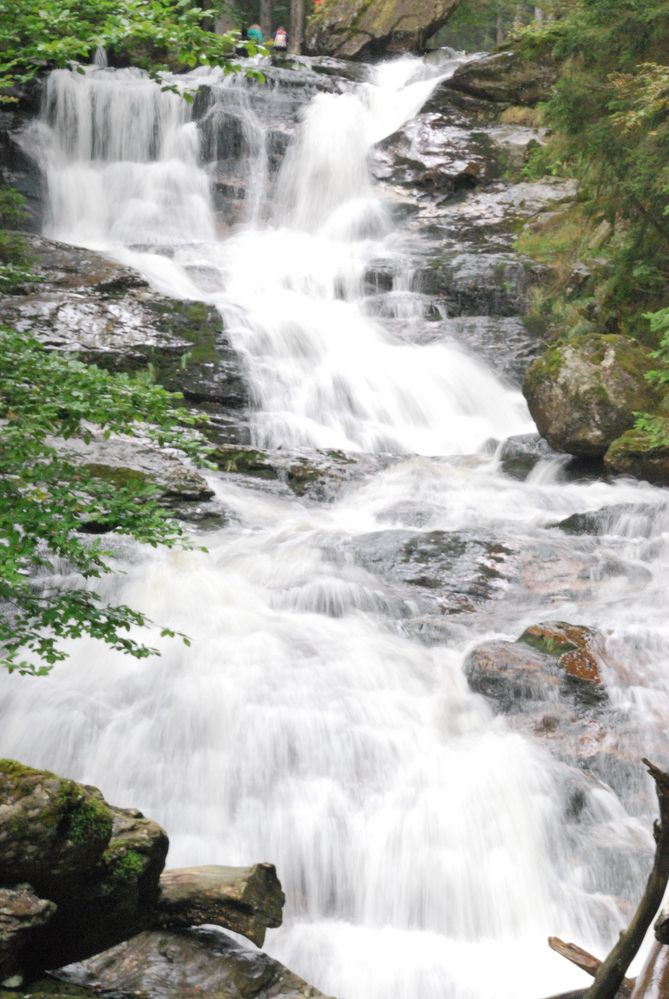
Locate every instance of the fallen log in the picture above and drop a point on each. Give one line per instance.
(246, 900)
(611, 973)
(585, 961)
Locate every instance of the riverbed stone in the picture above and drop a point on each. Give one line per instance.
(191, 964)
(584, 393)
(357, 29)
(548, 662)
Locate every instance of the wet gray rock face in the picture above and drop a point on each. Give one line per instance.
(121, 460)
(450, 572)
(188, 965)
(477, 284)
(583, 394)
(17, 168)
(108, 314)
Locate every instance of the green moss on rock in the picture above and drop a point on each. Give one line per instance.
(642, 452)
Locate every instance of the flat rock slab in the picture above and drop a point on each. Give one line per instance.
(195, 963)
(109, 315)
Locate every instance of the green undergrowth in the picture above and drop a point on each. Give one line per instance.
(608, 119)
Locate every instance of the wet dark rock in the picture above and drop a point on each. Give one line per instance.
(17, 168)
(428, 153)
(506, 78)
(48, 987)
(359, 29)
(452, 571)
(167, 965)
(584, 393)
(637, 520)
(482, 283)
(640, 454)
(244, 461)
(503, 342)
(520, 454)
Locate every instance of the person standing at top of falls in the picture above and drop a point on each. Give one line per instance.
(255, 35)
(281, 39)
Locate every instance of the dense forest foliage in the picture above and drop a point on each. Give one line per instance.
(608, 118)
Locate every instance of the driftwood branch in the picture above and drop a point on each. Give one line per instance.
(246, 900)
(611, 973)
(582, 959)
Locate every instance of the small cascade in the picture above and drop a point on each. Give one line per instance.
(121, 161)
(427, 849)
(100, 58)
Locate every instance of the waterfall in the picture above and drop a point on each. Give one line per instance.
(426, 848)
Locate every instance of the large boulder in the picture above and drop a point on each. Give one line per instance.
(505, 78)
(98, 867)
(641, 454)
(358, 29)
(583, 393)
(190, 965)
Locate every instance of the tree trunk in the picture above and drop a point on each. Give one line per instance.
(296, 33)
(244, 899)
(612, 970)
(266, 18)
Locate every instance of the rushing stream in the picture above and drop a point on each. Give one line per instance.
(427, 848)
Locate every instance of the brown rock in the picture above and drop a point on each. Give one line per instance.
(358, 29)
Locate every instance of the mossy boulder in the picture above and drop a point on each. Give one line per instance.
(115, 902)
(583, 393)
(641, 454)
(357, 29)
(505, 78)
(92, 869)
(53, 832)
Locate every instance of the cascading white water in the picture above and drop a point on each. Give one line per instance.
(422, 843)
